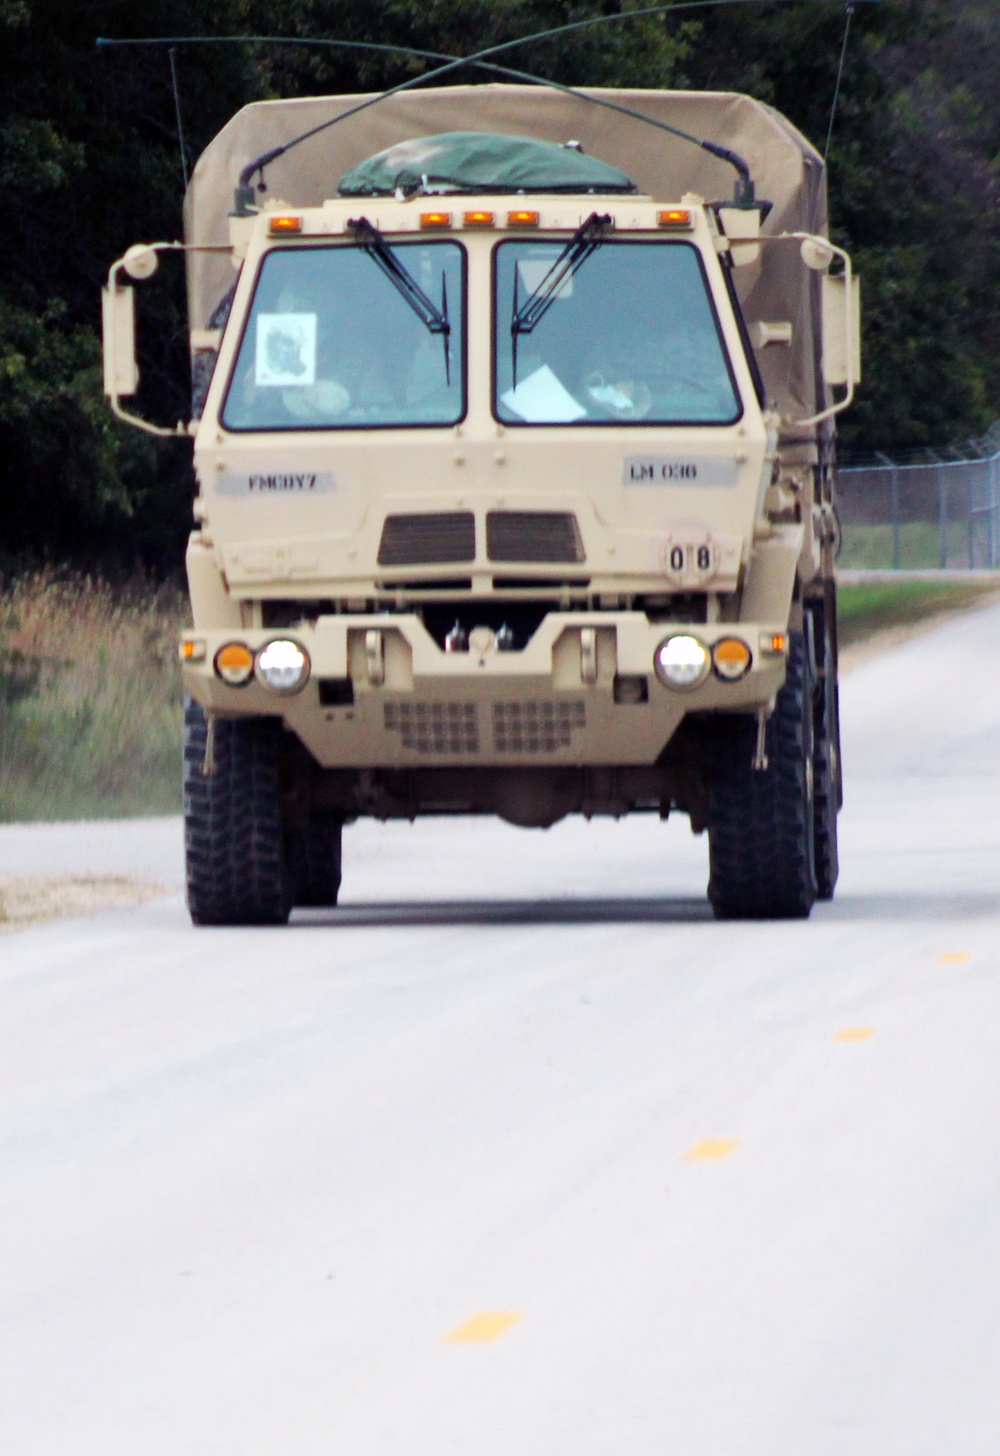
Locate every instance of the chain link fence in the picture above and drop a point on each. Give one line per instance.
(922, 510)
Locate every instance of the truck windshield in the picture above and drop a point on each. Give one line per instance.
(330, 343)
(631, 337)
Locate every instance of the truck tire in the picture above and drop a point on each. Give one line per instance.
(237, 869)
(316, 861)
(761, 821)
(827, 790)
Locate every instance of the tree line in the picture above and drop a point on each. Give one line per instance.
(91, 161)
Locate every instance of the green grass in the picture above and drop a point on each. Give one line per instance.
(870, 547)
(90, 699)
(868, 608)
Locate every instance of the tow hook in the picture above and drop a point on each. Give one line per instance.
(759, 764)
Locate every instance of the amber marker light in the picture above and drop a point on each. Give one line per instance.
(673, 217)
(774, 642)
(192, 650)
(234, 664)
(479, 219)
(730, 658)
(284, 224)
(435, 219)
(522, 217)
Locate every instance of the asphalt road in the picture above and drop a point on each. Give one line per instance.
(519, 1153)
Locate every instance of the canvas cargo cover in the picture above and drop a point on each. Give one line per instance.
(786, 169)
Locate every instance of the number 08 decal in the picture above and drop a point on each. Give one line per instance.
(689, 560)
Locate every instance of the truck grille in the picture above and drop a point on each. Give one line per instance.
(435, 727)
(536, 727)
(533, 536)
(428, 538)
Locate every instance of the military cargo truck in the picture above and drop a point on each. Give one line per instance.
(513, 433)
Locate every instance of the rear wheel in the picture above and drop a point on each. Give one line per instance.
(827, 791)
(237, 868)
(761, 821)
(316, 860)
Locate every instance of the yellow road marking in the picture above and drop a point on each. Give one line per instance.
(482, 1327)
(855, 1033)
(954, 957)
(710, 1148)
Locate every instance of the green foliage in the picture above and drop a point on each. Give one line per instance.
(20, 672)
(90, 162)
(90, 698)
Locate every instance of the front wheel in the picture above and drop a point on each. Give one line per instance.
(761, 821)
(237, 868)
(316, 859)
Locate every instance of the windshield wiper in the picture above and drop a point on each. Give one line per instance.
(586, 240)
(434, 319)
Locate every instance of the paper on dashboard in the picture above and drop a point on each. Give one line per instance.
(542, 400)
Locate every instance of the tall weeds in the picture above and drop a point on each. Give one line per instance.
(90, 698)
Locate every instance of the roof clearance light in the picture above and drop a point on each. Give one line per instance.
(283, 666)
(234, 664)
(435, 219)
(731, 658)
(673, 217)
(523, 217)
(682, 661)
(479, 219)
(280, 223)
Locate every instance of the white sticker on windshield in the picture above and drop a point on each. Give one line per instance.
(286, 349)
(703, 470)
(542, 400)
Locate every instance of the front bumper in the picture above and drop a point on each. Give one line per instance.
(382, 694)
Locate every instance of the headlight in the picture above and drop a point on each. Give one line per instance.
(731, 658)
(283, 666)
(682, 661)
(234, 664)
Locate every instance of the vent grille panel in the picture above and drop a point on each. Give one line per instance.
(435, 727)
(542, 536)
(536, 727)
(428, 538)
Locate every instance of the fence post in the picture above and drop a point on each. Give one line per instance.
(894, 503)
(993, 511)
(942, 518)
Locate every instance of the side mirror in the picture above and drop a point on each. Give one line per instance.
(121, 367)
(121, 370)
(840, 320)
(841, 329)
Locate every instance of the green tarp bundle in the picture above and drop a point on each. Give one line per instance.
(475, 161)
